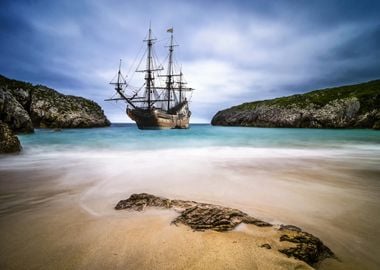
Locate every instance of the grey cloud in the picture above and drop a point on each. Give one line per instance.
(293, 46)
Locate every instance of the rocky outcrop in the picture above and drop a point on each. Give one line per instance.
(355, 106)
(198, 216)
(24, 106)
(51, 109)
(201, 216)
(308, 248)
(13, 113)
(9, 143)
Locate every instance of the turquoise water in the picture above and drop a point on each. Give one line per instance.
(129, 137)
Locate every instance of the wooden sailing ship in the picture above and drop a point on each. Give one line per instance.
(162, 101)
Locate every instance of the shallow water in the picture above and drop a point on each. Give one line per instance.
(128, 137)
(325, 181)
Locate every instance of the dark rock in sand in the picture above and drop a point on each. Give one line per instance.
(308, 248)
(198, 216)
(267, 246)
(214, 217)
(203, 216)
(139, 202)
(9, 142)
(290, 228)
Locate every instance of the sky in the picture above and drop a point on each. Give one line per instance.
(230, 51)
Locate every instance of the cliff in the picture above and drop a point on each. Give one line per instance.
(24, 106)
(351, 106)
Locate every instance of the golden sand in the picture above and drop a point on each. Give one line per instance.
(63, 218)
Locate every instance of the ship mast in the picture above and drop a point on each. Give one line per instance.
(170, 68)
(118, 83)
(119, 88)
(120, 80)
(151, 96)
(180, 86)
(149, 78)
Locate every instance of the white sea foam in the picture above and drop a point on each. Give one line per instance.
(208, 173)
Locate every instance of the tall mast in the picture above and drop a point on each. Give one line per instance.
(118, 84)
(119, 88)
(170, 67)
(148, 76)
(180, 86)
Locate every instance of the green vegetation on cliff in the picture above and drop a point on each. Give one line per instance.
(14, 84)
(367, 93)
(351, 106)
(24, 106)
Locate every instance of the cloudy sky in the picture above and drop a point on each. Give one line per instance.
(230, 51)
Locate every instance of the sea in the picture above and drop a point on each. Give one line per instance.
(326, 181)
(127, 137)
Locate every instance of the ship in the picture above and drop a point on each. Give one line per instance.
(162, 102)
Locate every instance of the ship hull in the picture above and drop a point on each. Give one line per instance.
(156, 119)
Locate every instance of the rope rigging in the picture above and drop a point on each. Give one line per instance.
(162, 90)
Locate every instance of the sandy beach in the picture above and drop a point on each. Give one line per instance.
(64, 218)
(189, 135)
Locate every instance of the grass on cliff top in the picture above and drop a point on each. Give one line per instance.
(14, 84)
(368, 94)
(46, 93)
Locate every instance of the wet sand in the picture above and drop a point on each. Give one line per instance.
(52, 231)
(63, 218)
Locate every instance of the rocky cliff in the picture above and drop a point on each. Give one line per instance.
(352, 106)
(24, 106)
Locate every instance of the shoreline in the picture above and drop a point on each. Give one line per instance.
(65, 217)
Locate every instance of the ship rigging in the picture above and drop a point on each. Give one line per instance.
(158, 103)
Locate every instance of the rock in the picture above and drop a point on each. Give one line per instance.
(198, 216)
(267, 246)
(13, 113)
(24, 106)
(309, 248)
(23, 94)
(290, 228)
(213, 217)
(355, 106)
(9, 143)
(139, 202)
(50, 109)
(203, 216)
